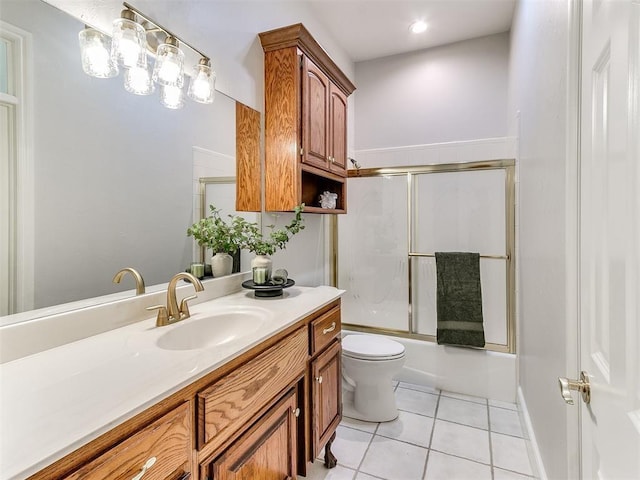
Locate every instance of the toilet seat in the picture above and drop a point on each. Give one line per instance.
(371, 347)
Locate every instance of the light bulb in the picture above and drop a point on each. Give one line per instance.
(95, 49)
(137, 80)
(129, 47)
(171, 97)
(203, 82)
(169, 67)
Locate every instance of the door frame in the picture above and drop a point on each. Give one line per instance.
(572, 230)
(22, 250)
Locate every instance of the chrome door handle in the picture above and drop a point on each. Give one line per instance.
(582, 386)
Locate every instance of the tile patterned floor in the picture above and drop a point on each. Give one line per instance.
(438, 435)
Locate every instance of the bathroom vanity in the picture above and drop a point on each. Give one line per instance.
(186, 400)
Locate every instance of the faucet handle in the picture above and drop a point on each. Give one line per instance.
(163, 316)
(184, 307)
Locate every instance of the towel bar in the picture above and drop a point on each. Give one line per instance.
(499, 257)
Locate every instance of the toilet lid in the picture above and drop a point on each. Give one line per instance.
(371, 347)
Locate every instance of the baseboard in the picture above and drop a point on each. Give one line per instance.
(532, 444)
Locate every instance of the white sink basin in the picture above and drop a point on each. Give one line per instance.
(211, 329)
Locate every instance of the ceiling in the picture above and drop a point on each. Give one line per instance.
(368, 29)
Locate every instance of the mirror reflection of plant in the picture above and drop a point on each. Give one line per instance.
(214, 233)
(255, 242)
(226, 237)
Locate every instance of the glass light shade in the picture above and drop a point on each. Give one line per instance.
(95, 50)
(169, 67)
(171, 97)
(129, 44)
(137, 80)
(203, 83)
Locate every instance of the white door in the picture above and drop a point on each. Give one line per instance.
(610, 239)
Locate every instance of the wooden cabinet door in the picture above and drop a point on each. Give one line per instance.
(326, 395)
(315, 115)
(267, 451)
(338, 131)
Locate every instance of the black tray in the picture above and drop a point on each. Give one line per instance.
(268, 289)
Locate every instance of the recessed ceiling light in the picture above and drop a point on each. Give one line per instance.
(418, 26)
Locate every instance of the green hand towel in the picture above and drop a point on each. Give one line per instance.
(459, 299)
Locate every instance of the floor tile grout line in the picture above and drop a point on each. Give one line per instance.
(490, 442)
(449, 454)
(433, 428)
(526, 475)
(366, 450)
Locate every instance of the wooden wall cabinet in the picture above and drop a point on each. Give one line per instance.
(305, 122)
(261, 416)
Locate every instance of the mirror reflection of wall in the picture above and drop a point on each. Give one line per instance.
(112, 171)
(220, 192)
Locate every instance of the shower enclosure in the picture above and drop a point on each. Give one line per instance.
(398, 218)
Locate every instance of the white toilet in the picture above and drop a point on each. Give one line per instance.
(369, 363)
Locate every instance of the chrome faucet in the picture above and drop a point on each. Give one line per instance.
(135, 274)
(172, 312)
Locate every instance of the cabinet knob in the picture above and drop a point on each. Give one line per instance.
(319, 379)
(329, 329)
(296, 412)
(148, 464)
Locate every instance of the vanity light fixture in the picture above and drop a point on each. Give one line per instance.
(135, 35)
(95, 50)
(171, 96)
(203, 82)
(169, 67)
(137, 80)
(418, 26)
(128, 41)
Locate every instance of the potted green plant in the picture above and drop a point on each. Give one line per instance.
(223, 238)
(265, 245)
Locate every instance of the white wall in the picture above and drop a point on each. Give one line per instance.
(540, 90)
(450, 93)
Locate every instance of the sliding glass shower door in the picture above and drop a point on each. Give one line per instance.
(372, 246)
(399, 218)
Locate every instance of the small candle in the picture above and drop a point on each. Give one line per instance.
(260, 275)
(197, 270)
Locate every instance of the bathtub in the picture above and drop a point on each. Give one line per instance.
(469, 371)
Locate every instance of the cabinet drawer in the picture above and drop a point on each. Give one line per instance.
(228, 404)
(324, 329)
(163, 447)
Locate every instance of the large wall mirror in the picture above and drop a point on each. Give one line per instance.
(113, 172)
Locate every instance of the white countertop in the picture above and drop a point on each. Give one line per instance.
(57, 400)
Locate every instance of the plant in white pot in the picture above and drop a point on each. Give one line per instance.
(264, 246)
(223, 238)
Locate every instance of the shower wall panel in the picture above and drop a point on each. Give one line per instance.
(460, 212)
(372, 249)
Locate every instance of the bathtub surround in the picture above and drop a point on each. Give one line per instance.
(459, 299)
